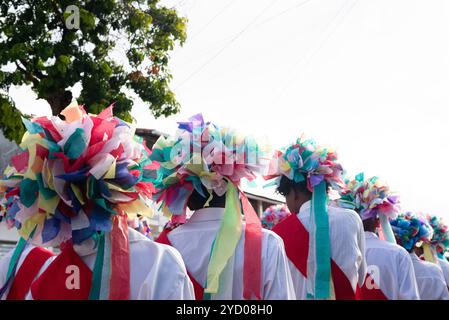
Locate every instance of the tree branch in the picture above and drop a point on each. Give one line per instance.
(39, 75)
(28, 75)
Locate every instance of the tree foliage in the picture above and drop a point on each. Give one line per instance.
(10, 120)
(39, 48)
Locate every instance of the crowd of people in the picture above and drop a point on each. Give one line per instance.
(84, 183)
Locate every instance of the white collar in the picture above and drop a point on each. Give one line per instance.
(207, 214)
(88, 247)
(305, 206)
(370, 235)
(414, 256)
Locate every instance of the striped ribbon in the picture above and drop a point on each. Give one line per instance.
(111, 274)
(94, 293)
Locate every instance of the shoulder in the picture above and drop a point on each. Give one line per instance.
(430, 269)
(271, 237)
(443, 263)
(144, 248)
(345, 217)
(393, 250)
(343, 213)
(272, 243)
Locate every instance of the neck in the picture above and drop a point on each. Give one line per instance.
(419, 251)
(303, 199)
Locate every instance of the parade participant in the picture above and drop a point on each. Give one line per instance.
(439, 245)
(201, 169)
(140, 223)
(73, 184)
(411, 232)
(273, 215)
(390, 269)
(325, 244)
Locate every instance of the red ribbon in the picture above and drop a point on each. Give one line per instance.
(120, 260)
(252, 263)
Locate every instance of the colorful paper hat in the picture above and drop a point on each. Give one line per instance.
(411, 229)
(202, 154)
(77, 179)
(74, 175)
(371, 198)
(306, 161)
(273, 215)
(440, 239)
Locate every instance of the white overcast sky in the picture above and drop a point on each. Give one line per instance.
(369, 78)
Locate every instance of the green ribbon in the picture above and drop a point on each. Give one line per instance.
(322, 244)
(106, 271)
(16, 256)
(94, 293)
(226, 240)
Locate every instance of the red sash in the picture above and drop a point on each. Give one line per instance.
(296, 242)
(199, 290)
(27, 272)
(66, 278)
(365, 293)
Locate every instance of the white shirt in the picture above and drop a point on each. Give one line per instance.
(444, 264)
(392, 268)
(347, 246)
(430, 279)
(194, 241)
(157, 271)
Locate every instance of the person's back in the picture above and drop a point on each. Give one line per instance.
(227, 253)
(444, 264)
(393, 269)
(194, 240)
(152, 267)
(439, 244)
(430, 279)
(325, 244)
(346, 244)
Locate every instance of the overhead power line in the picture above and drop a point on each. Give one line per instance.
(227, 44)
(311, 53)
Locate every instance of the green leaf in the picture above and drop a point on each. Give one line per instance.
(11, 120)
(87, 19)
(57, 58)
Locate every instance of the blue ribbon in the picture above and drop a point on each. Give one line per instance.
(322, 238)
